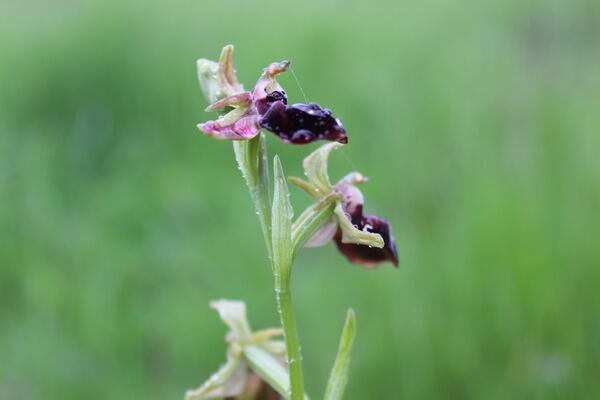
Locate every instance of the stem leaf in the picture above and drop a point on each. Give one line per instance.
(281, 225)
(339, 373)
(251, 156)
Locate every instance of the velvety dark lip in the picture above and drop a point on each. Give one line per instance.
(302, 123)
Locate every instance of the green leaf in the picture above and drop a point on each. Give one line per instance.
(339, 373)
(281, 230)
(251, 156)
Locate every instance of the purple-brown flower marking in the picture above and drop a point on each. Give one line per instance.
(370, 257)
(303, 123)
(367, 256)
(264, 107)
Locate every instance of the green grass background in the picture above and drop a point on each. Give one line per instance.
(478, 123)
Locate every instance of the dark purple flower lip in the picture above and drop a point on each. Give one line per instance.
(301, 123)
(370, 257)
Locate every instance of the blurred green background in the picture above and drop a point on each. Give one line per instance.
(478, 123)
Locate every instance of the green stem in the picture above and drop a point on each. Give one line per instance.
(283, 250)
(292, 342)
(277, 230)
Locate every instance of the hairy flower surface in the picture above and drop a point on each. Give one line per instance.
(265, 106)
(366, 240)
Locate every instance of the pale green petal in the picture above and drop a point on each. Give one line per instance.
(274, 347)
(263, 335)
(352, 235)
(309, 188)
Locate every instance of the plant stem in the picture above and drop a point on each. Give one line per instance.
(283, 255)
(276, 225)
(292, 342)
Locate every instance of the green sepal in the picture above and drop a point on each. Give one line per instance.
(207, 77)
(315, 167)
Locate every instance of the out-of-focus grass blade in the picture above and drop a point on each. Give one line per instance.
(339, 373)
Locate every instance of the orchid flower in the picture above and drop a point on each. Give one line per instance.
(265, 106)
(366, 240)
(249, 354)
(254, 369)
